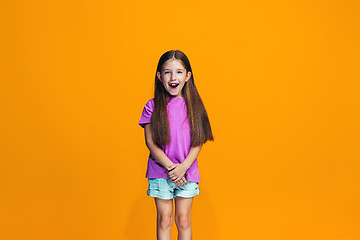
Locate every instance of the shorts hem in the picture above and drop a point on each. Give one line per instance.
(188, 194)
(158, 195)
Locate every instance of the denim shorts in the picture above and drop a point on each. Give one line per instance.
(164, 188)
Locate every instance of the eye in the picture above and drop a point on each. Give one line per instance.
(180, 72)
(166, 72)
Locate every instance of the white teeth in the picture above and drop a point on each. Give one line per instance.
(173, 84)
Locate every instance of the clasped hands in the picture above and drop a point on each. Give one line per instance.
(176, 173)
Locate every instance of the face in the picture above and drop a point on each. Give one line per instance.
(173, 76)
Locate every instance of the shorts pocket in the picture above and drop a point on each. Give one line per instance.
(154, 184)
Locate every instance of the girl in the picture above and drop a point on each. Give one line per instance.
(176, 126)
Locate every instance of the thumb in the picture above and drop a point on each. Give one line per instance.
(171, 167)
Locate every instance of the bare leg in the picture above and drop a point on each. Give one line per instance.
(183, 217)
(164, 218)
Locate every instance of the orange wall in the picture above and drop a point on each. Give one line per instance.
(279, 79)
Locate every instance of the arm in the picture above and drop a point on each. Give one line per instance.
(178, 171)
(159, 154)
(155, 151)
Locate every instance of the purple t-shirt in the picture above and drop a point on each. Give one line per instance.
(180, 139)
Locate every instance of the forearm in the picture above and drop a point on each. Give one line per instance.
(193, 153)
(159, 155)
(155, 151)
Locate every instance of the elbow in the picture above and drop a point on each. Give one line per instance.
(149, 144)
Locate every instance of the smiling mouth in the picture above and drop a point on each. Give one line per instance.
(173, 85)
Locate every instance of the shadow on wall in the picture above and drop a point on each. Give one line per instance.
(142, 218)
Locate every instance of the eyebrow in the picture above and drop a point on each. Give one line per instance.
(176, 69)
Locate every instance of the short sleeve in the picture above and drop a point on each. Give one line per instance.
(146, 113)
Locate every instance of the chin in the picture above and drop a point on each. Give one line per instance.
(173, 94)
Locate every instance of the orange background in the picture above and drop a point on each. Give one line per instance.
(279, 79)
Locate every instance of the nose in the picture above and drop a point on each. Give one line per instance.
(173, 76)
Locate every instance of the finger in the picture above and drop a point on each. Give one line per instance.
(171, 168)
(172, 173)
(184, 179)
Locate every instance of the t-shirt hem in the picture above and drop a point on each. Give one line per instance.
(162, 176)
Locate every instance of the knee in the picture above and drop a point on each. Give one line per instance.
(183, 221)
(165, 221)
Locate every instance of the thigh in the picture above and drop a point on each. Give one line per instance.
(164, 206)
(183, 206)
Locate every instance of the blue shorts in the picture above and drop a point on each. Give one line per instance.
(164, 188)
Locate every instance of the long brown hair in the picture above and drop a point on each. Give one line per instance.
(196, 112)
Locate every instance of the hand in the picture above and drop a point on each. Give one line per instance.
(176, 172)
(180, 182)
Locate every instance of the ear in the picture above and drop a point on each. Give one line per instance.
(188, 75)
(158, 75)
